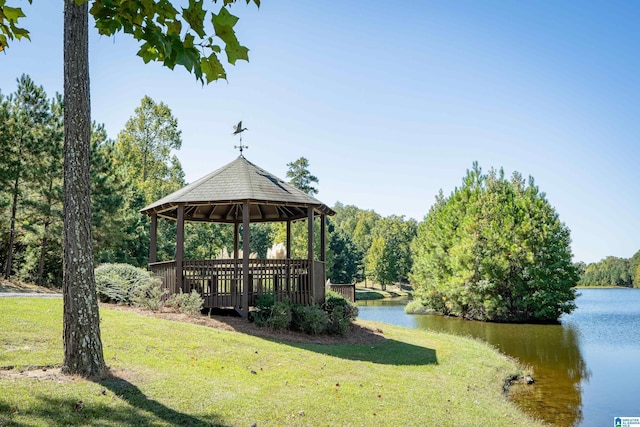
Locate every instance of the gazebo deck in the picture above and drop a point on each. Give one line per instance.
(221, 284)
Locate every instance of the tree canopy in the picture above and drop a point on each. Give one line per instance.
(192, 37)
(300, 177)
(495, 249)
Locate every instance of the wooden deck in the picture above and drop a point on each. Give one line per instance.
(220, 282)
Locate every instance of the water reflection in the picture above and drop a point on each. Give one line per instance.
(553, 351)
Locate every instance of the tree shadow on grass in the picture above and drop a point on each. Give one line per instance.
(64, 411)
(373, 348)
(388, 352)
(140, 403)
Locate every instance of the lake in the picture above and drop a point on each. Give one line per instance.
(587, 369)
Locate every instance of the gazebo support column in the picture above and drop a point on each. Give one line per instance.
(153, 242)
(288, 256)
(323, 237)
(245, 259)
(180, 249)
(310, 253)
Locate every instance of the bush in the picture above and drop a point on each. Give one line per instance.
(417, 307)
(118, 282)
(340, 312)
(334, 317)
(280, 317)
(264, 304)
(190, 303)
(297, 317)
(150, 295)
(314, 320)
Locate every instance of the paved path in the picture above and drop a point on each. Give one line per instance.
(28, 295)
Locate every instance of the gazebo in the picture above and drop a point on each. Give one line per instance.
(241, 193)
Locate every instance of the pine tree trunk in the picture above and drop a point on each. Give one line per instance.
(82, 344)
(43, 251)
(12, 231)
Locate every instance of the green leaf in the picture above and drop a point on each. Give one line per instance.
(12, 14)
(194, 15)
(235, 52)
(148, 53)
(212, 68)
(223, 24)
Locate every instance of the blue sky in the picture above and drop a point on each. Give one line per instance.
(392, 101)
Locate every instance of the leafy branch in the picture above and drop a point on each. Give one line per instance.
(167, 35)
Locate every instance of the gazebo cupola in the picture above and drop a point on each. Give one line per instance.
(241, 193)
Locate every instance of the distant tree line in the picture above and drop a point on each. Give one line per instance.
(612, 271)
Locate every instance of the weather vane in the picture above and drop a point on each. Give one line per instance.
(237, 130)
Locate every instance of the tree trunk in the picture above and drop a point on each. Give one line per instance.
(82, 344)
(43, 251)
(12, 230)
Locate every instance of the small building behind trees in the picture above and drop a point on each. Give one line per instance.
(241, 193)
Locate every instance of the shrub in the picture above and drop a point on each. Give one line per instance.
(190, 303)
(314, 320)
(417, 307)
(280, 317)
(150, 295)
(264, 303)
(297, 317)
(340, 312)
(118, 282)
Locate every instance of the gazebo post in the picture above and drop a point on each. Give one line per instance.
(245, 259)
(310, 253)
(236, 227)
(323, 235)
(288, 256)
(153, 234)
(180, 248)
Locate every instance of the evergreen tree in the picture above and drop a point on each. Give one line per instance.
(495, 250)
(143, 150)
(300, 177)
(344, 259)
(24, 132)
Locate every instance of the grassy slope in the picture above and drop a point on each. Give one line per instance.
(170, 373)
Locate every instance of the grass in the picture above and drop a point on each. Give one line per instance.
(169, 373)
(363, 295)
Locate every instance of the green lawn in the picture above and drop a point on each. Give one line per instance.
(170, 373)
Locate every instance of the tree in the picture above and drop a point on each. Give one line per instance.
(496, 250)
(389, 257)
(378, 267)
(24, 130)
(143, 156)
(143, 150)
(43, 229)
(167, 35)
(634, 269)
(344, 259)
(300, 177)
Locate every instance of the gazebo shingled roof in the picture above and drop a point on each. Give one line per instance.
(218, 197)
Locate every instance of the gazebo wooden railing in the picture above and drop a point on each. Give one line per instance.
(220, 282)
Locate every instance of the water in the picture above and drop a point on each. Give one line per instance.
(587, 369)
